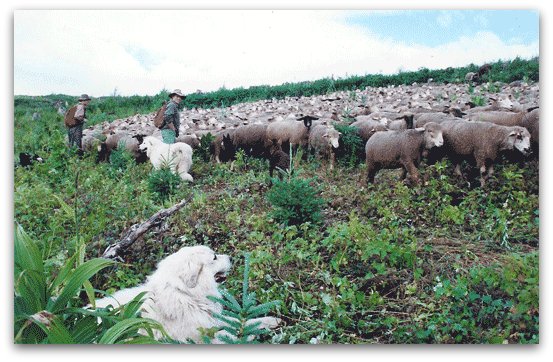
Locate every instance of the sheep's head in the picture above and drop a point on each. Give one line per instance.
(408, 118)
(332, 137)
(433, 136)
(226, 143)
(518, 138)
(307, 120)
(505, 103)
(274, 146)
(454, 111)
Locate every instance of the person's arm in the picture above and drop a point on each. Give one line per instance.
(169, 115)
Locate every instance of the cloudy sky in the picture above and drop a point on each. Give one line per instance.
(142, 52)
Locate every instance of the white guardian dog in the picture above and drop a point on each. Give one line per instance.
(178, 156)
(176, 294)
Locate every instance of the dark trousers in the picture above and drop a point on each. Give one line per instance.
(75, 135)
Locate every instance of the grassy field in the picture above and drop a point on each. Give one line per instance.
(446, 262)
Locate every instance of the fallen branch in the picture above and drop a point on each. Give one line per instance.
(117, 250)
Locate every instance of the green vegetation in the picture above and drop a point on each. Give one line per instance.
(238, 318)
(163, 183)
(447, 262)
(113, 107)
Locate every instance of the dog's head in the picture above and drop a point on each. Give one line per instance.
(147, 144)
(196, 267)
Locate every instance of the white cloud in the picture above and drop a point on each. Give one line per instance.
(142, 52)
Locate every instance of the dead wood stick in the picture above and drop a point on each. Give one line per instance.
(115, 251)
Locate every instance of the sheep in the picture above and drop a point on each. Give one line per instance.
(528, 119)
(251, 138)
(403, 122)
(470, 77)
(122, 139)
(504, 104)
(277, 158)
(324, 140)
(222, 148)
(482, 141)
(191, 140)
(295, 132)
(392, 149)
(435, 117)
(367, 128)
(484, 69)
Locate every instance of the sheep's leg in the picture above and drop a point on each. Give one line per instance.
(332, 160)
(403, 173)
(413, 171)
(490, 171)
(371, 172)
(482, 175)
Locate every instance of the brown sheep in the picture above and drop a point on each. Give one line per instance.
(367, 128)
(131, 144)
(482, 141)
(295, 132)
(222, 148)
(277, 158)
(393, 149)
(191, 140)
(528, 119)
(403, 122)
(436, 117)
(251, 138)
(324, 140)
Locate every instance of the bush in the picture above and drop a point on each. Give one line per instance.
(204, 150)
(351, 151)
(163, 183)
(120, 158)
(238, 318)
(295, 201)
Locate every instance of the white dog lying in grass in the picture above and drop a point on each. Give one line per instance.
(177, 294)
(178, 156)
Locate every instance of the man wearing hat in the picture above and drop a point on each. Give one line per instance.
(171, 117)
(75, 133)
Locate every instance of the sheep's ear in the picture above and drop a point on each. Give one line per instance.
(420, 129)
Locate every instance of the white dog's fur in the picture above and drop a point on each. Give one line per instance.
(178, 156)
(177, 293)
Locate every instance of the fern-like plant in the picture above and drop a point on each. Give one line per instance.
(238, 319)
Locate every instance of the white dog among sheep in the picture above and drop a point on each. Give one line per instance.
(177, 294)
(178, 156)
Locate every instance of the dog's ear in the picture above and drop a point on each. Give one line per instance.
(193, 274)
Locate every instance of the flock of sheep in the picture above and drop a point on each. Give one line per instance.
(399, 125)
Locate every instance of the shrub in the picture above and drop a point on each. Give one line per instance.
(237, 317)
(163, 183)
(120, 158)
(351, 150)
(204, 150)
(295, 201)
